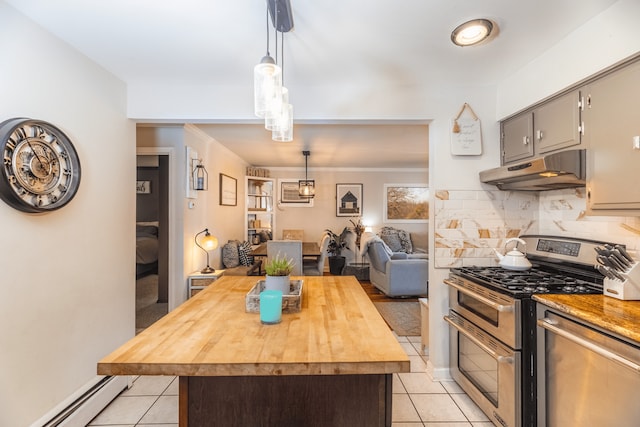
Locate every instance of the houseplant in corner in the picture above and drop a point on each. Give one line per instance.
(278, 270)
(337, 242)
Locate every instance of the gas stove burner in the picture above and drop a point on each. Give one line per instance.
(533, 281)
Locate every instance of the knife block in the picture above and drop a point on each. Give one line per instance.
(628, 289)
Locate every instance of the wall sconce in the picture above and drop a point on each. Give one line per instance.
(209, 243)
(200, 176)
(306, 186)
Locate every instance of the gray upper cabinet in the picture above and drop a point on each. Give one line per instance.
(551, 126)
(612, 119)
(517, 138)
(557, 123)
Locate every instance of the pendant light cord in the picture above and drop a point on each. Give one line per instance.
(268, 29)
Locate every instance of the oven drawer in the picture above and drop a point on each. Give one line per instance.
(497, 314)
(487, 370)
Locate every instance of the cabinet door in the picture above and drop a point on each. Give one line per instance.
(557, 123)
(517, 138)
(612, 124)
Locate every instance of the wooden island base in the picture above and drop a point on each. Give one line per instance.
(295, 400)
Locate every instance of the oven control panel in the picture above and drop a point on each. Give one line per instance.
(559, 247)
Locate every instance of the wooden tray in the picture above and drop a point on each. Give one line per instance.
(291, 302)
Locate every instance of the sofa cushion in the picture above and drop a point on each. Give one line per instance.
(230, 257)
(244, 254)
(398, 240)
(393, 241)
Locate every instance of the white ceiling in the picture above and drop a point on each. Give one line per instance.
(333, 42)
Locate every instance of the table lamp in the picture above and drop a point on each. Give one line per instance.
(209, 243)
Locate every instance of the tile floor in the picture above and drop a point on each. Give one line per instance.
(418, 401)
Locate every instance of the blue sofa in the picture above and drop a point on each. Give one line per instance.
(396, 274)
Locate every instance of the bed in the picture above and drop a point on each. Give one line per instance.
(146, 248)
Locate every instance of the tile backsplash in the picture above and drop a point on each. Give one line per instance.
(470, 224)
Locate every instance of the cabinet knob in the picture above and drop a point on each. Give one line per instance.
(525, 140)
(539, 135)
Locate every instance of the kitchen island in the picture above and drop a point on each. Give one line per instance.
(331, 364)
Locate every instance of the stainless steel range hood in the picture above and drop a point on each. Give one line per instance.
(564, 169)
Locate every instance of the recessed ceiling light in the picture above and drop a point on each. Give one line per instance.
(472, 32)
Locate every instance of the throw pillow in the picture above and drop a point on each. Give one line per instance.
(244, 251)
(230, 256)
(405, 240)
(393, 241)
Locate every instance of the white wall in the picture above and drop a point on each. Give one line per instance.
(67, 283)
(608, 38)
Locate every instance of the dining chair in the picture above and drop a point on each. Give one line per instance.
(293, 235)
(315, 267)
(290, 249)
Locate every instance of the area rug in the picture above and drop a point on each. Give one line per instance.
(403, 317)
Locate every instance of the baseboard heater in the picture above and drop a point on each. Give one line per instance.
(80, 408)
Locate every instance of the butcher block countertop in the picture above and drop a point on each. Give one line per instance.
(338, 331)
(610, 314)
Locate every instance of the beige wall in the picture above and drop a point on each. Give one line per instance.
(67, 281)
(314, 220)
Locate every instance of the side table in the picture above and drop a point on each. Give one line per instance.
(199, 281)
(358, 269)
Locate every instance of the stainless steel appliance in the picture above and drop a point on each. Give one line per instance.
(587, 377)
(564, 169)
(493, 323)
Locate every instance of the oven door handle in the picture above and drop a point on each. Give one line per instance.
(499, 358)
(549, 325)
(501, 308)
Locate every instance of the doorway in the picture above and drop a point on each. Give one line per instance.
(152, 239)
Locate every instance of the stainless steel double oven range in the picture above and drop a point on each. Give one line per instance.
(492, 322)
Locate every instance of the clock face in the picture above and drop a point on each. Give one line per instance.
(41, 170)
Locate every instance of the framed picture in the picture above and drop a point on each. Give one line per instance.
(288, 194)
(348, 199)
(228, 190)
(406, 203)
(143, 187)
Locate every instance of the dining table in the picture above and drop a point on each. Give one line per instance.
(309, 249)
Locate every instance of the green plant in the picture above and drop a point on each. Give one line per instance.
(279, 266)
(337, 242)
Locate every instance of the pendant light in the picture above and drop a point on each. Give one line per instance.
(281, 120)
(267, 80)
(306, 187)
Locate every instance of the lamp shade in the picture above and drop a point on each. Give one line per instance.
(307, 188)
(267, 84)
(277, 111)
(207, 243)
(283, 131)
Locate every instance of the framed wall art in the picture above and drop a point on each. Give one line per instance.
(288, 194)
(406, 203)
(143, 187)
(348, 199)
(228, 190)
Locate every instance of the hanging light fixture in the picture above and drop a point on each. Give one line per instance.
(267, 80)
(281, 123)
(306, 187)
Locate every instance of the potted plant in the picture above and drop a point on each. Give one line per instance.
(337, 242)
(278, 270)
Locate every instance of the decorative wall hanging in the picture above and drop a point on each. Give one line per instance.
(466, 135)
(143, 187)
(228, 190)
(348, 199)
(191, 155)
(289, 194)
(406, 203)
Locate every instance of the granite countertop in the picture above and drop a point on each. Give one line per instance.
(613, 315)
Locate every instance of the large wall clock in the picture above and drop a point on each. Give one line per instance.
(41, 170)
